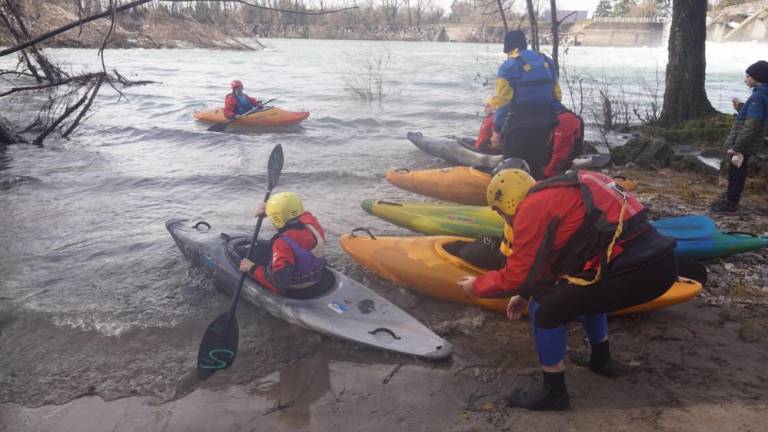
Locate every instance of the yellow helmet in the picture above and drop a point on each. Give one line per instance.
(507, 189)
(283, 207)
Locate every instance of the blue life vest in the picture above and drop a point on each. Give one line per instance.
(536, 85)
(533, 100)
(309, 266)
(243, 104)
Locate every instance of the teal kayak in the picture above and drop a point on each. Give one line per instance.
(697, 235)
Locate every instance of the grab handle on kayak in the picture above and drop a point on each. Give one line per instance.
(742, 233)
(385, 330)
(204, 223)
(365, 230)
(382, 202)
(402, 170)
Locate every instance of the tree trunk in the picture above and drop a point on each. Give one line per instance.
(685, 96)
(555, 35)
(503, 16)
(534, 42)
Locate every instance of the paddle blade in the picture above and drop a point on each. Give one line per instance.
(218, 127)
(219, 346)
(275, 166)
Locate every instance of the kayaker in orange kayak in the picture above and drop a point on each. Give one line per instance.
(579, 246)
(238, 103)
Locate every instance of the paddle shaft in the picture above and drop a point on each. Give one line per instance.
(249, 255)
(253, 110)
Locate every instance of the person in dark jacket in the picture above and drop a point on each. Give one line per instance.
(579, 246)
(747, 135)
(238, 103)
(293, 262)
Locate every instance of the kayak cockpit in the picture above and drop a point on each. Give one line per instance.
(237, 249)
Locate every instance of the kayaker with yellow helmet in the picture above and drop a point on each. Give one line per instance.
(579, 246)
(292, 263)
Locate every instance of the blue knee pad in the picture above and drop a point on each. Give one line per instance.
(550, 343)
(596, 326)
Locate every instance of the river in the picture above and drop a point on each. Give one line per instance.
(95, 298)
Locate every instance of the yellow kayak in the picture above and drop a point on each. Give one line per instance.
(269, 116)
(426, 265)
(459, 184)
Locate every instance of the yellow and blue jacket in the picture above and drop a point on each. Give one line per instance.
(525, 83)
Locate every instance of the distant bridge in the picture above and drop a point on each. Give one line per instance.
(746, 8)
(745, 21)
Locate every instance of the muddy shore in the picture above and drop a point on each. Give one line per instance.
(692, 367)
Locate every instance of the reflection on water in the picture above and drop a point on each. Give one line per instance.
(298, 386)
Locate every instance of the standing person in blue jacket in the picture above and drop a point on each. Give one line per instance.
(527, 93)
(747, 135)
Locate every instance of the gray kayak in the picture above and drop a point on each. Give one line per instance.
(347, 309)
(462, 151)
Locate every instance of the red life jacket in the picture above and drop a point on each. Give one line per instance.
(612, 216)
(484, 136)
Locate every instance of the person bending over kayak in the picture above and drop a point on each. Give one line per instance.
(567, 141)
(238, 103)
(747, 135)
(581, 248)
(293, 263)
(526, 92)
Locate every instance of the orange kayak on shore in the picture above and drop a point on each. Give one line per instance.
(459, 184)
(429, 266)
(269, 116)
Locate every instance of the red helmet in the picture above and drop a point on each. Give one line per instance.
(236, 84)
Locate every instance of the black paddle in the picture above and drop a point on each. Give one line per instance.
(219, 345)
(221, 127)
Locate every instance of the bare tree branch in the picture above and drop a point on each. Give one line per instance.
(136, 3)
(503, 16)
(67, 112)
(70, 26)
(94, 92)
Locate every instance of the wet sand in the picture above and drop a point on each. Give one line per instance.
(689, 368)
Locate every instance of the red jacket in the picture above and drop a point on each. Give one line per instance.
(230, 105)
(283, 259)
(564, 138)
(484, 136)
(561, 207)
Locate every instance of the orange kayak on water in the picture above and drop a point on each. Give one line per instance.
(459, 184)
(270, 116)
(427, 265)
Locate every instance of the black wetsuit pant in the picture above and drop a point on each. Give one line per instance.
(552, 306)
(530, 144)
(737, 177)
(483, 253)
(560, 302)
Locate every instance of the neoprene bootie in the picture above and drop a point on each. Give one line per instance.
(552, 395)
(598, 361)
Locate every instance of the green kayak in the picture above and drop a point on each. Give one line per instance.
(697, 235)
